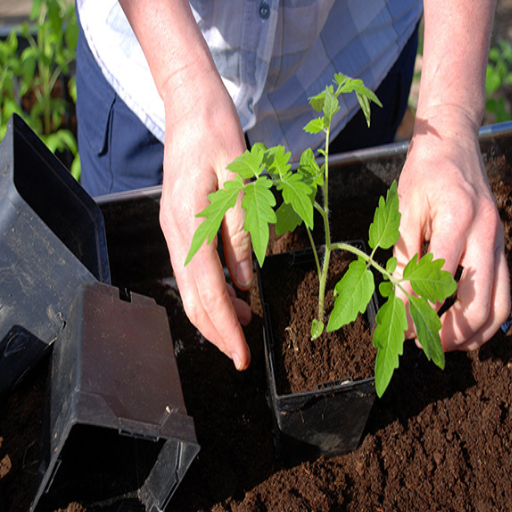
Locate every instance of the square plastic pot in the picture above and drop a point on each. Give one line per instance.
(116, 423)
(52, 241)
(328, 421)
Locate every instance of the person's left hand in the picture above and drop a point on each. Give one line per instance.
(445, 199)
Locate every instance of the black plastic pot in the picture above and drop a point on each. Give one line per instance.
(328, 421)
(116, 424)
(52, 241)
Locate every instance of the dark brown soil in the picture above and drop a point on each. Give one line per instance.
(302, 364)
(436, 441)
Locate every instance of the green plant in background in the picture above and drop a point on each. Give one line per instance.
(36, 81)
(260, 169)
(498, 80)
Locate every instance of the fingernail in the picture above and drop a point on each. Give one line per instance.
(244, 273)
(236, 361)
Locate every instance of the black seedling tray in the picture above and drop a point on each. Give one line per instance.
(116, 423)
(52, 240)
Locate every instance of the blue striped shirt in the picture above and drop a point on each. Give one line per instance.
(272, 55)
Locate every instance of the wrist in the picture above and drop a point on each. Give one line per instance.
(447, 122)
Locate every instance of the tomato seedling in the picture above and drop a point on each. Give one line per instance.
(260, 169)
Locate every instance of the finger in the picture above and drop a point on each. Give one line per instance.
(463, 329)
(237, 247)
(203, 291)
(210, 308)
(242, 309)
(474, 296)
(409, 244)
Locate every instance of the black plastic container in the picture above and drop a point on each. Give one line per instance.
(116, 424)
(328, 421)
(52, 241)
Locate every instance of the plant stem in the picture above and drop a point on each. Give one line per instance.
(315, 252)
(372, 262)
(325, 216)
(322, 284)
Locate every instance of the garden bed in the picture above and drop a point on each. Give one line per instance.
(435, 441)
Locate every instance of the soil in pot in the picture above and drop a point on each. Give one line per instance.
(301, 364)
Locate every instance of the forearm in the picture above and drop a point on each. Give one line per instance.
(175, 49)
(456, 47)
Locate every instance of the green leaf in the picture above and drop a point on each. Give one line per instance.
(315, 126)
(317, 101)
(277, 161)
(220, 202)
(364, 103)
(386, 288)
(364, 95)
(76, 168)
(355, 289)
(286, 219)
(258, 203)
(340, 79)
(331, 106)
(388, 339)
(36, 9)
(309, 168)
(427, 325)
(300, 195)
(249, 164)
(391, 265)
(428, 280)
(384, 230)
(317, 328)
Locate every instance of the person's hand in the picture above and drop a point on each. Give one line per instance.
(445, 200)
(198, 145)
(202, 135)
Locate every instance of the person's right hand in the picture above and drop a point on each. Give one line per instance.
(199, 143)
(202, 136)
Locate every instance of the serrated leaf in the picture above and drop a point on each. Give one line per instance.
(357, 85)
(317, 328)
(384, 230)
(388, 339)
(277, 161)
(331, 106)
(427, 278)
(286, 219)
(364, 95)
(315, 126)
(220, 202)
(317, 101)
(427, 325)
(309, 168)
(258, 203)
(249, 164)
(340, 79)
(364, 103)
(355, 290)
(300, 195)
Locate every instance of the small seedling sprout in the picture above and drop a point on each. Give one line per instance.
(260, 168)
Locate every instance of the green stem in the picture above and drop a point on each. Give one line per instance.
(315, 252)
(323, 284)
(372, 262)
(325, 216)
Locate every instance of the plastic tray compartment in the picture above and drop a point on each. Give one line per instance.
(52, 240)
(116, 425)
